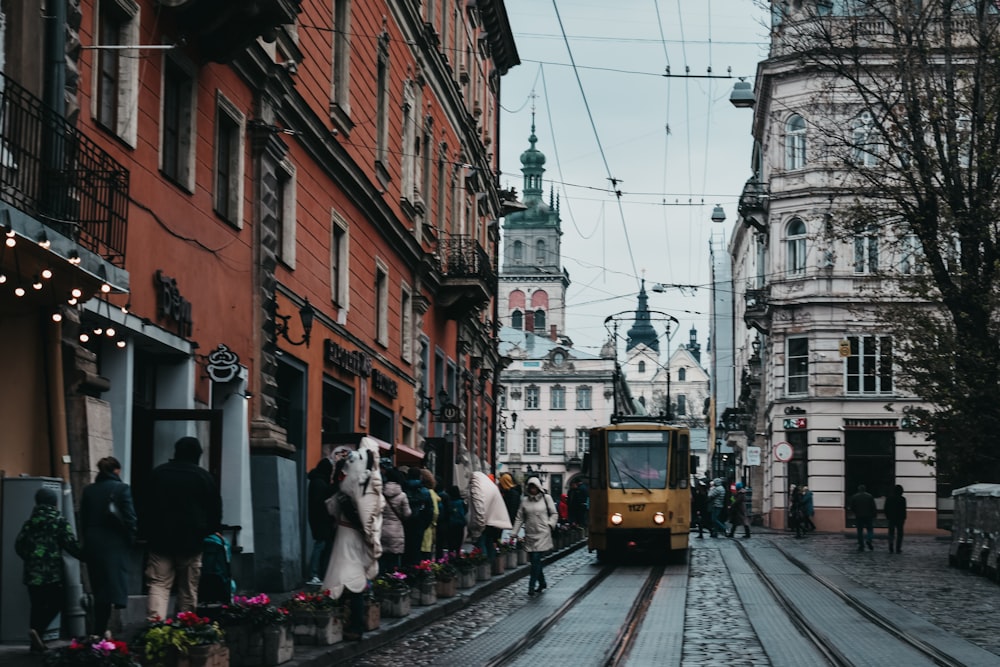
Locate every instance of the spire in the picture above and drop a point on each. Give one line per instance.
(642, 332)
(532, 163)
(694, 347)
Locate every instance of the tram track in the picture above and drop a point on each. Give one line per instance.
(820, 640)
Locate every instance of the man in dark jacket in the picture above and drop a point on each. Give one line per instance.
(320, 522)
(862, 504)
(579, 502)
(895, 513)
(183, 508)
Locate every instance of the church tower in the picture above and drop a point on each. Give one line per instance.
(532, 282)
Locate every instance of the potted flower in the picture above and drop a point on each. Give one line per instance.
(393, 593)
(522, 554)
(483, 572)
(317, 619)
(91, 652)
(184, 640)
(508, 550)
(258, 632)
(446, 576)
(499, 565)
(466, 567)
(423, 586)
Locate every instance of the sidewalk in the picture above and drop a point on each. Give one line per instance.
(390, 630)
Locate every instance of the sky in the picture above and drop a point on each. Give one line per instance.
(674, 146)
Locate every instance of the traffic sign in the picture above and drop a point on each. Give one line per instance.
(783, 452)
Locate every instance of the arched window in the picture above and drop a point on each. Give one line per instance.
(642, 366)
(795, 247)
(864, 139)
(795, 142)
(681, 374)
(540, 251)
(517, 319)
(518, 251)
(540, 320)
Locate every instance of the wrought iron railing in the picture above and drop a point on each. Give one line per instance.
(53, 172)
(757, 301)
(462, 257)
(754, 198)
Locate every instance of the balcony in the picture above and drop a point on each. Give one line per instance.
(753, 205)
(572, 459)
(468, 280)
(55, 174)
(757, 313)
(222, 29)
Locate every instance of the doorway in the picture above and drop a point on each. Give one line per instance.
(869, 459)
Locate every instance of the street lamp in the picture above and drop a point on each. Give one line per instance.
(718, 214)
(742, 96)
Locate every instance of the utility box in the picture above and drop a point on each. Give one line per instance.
(18, 500)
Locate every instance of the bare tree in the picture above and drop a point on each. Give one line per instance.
(906, 95)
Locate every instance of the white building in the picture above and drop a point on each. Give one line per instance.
(813, 368)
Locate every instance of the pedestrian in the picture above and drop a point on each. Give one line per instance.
(40, 543)
(443, 521)
(579, 502)
(487, 516)
(457, 517)
(430, 533)
(796, 512)
(808, 510)
(716, 500)
(564, 507)
(421, 517)
(320, 524)
(511, 492)
(182, 508)
(538, 516)
(862, 504)
(738, 512)
(394, 517)
(356, 505)
(895, 513)
(107, 540)
(699, 508)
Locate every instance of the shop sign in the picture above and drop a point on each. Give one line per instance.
(827, 439)
(753, 456)
(223, 364)
(171, 305)
(791, 424)
(383, 383)
(870, 423)
(352, 361)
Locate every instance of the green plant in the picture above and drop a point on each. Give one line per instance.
(443, 569)
(306, 601)
(178, 633)
(91, 652)
(390, 583)
(255, 611)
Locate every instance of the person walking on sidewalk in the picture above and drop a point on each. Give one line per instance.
(320, 525)
(40, 543)
(716, 500)
(796, 512)
(808, 510)
(895, 512)
(738, 512)
(699, 507)
(862, 504)
(394, 517)
(511, 492)
(487, 515)
(538, 516)
(107, 541)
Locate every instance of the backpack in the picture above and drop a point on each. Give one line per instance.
(420, 506)
(457, 515)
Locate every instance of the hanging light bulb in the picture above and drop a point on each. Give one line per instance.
(18, 291)
(72, 302)
(46, 273)
(120, 344)
(105, 288)
(74, 257)
(3, 278)
(10, 240)
(98, 331)
(43, 241)
(110, 332)
(76, 292)
(84, 338)
(126, 307)
(57, 317)
(36, 283)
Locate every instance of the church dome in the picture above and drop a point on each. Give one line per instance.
(533, 157)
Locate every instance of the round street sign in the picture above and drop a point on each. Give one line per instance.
(783, 451)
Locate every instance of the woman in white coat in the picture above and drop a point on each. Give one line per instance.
(538, 515)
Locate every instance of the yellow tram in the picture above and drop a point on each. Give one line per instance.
(640, 500)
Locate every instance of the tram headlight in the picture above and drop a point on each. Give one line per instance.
(616, 519)
(658, 518)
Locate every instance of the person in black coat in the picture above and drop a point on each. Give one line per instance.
(183, 507)
(320, 523)
(107, 540)
(895, 513)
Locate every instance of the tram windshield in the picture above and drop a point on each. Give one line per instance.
(637, 459)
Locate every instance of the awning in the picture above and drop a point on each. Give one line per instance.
(405, 455)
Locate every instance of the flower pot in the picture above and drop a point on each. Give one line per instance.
(467, 577)
(208, 655)
(259, 647)
(373, 614)
(427, 592)
(317, 628)
(499, 564)
(447, 589)
(522, 557)
(395, 604)
(511, 559)
(483, 572)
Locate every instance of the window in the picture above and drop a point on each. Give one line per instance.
(531, 441)
(230, 127)
(795, 142)
(866, 251)
(583, 398)
(531, 398)
(557, 398)
(285, 209)
(540, 251)
(911, 261)
(116, 71)
(681, 405)
(865, 147)
(341, 66)
(518, 251)
(795, 248)
(681, 374)
(502, 441)
(411, 147)
(539, 321)
(405, 324)
(442, 179)
(517, 319)
(797, 370)
(382, 107)
(642, 366)
(339, 257)
(869, 368)
(177, 124)
(502, 400)
(582, 441)
(381, 304)
(557, 441)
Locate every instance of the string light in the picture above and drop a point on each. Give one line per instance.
(18, 291)
(120, 344)
(110, 332)
(46, 273)
(36, 283)
(105, 288)
(43, 241)
(57, 317)
(72, 302)
(84, 338)
(76, 292)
